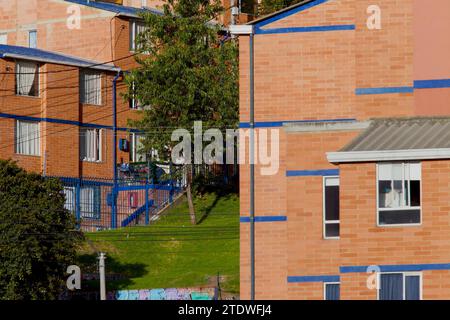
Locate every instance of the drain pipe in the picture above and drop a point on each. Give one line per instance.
(114, 143)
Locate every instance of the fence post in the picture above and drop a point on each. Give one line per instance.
(171, 183)
(78, 202)
(114, 207)
(147, 209)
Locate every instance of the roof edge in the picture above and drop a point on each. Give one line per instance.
(388, 155)
(272, 17)
(98, 66)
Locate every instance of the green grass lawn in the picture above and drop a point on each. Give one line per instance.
(173, 253)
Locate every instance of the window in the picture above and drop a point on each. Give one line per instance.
(27, 78)
(69, 193)
(3, 38)
(400, 286)
(27, 138)
(136, 27)
(331, 290)
(331, 208)
(32, 39)
(136, 152)
(399, 193)
(91, 145)
(91, 88)
(90, 202)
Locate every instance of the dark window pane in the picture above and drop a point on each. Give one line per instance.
(391, 287)
(332, 203)
(384, 188)
(399, 216)
(332, 291)
(412, 287)
(332, 230)
(415, 193)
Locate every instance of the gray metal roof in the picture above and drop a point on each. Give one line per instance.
(403, 134)
(7, 51)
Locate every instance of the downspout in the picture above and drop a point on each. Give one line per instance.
(114, 165)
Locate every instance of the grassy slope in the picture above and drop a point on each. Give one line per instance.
(172, 252)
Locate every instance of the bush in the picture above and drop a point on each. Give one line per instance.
(37, 235)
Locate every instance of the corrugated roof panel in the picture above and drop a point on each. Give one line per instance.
(7, 51)
(403, 134)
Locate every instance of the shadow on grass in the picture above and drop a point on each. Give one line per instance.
(118, 275)
(220, 193)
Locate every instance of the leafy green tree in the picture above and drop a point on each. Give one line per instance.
(189, 73)
(270, 6)
(37, 238)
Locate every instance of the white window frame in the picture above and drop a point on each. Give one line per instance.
(3, 38)
(16, 138)
(30, 32)
(324, 221)
(99, 133)
(133, 149)
(133, 33)
(70, 203)
(401, 208)
(38, 79)
(83, 89)
(405, 274)
(325, 289)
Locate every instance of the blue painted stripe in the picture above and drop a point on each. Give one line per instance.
(273, 124)
(311, 173)
(294, 279)
(397, 268)
(387, 90)
(432, 84)
(63, 121)
(344, 27)
(292, 11)
(264, 219)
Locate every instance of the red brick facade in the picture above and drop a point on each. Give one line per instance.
(321, 63)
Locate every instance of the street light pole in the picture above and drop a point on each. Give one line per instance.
(101, 267)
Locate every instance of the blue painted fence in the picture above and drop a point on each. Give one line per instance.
(100, 204)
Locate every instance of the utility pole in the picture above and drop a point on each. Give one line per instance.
(101, 266)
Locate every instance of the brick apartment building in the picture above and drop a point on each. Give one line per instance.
(363, 113)
(106, 34)
(58, 59)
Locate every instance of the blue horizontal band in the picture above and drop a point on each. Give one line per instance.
(386, 90)
(418, 84)
(397, 268)
(345, 27)
(311, 173)
(63, 121)
(432, 84)
(264, 219)
(272, 124)
(294, 279)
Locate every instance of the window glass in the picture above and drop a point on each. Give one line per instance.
(27, 138)
(91, 88)
(399, 193)
(27, 78)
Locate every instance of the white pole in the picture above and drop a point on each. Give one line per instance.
(101, 259)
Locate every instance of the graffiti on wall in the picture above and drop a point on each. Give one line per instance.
(148, 294)
(165, 294)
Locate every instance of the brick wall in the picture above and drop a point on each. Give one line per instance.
(315, 76)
